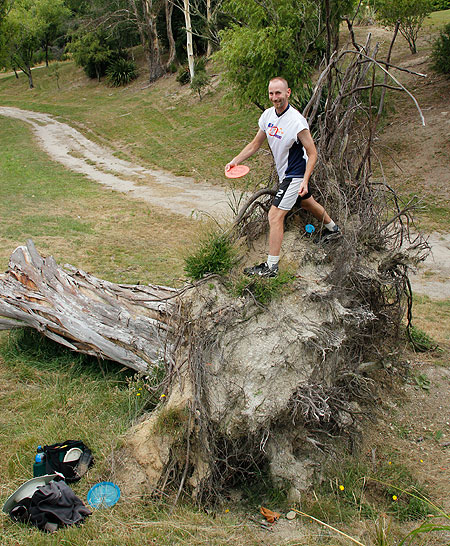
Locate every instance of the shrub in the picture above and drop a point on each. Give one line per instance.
(441, 51)
(200, 82)
(121, 72)
(216, 253)
(92, 52)
(184, 76)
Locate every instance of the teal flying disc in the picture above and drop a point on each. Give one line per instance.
(103, 494)
(309, 228)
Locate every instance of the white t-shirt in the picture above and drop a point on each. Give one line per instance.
(281, 131)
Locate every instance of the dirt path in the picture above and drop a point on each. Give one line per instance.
(66, 145)
(433, 277)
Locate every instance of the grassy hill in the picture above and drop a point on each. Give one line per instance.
(48, 394)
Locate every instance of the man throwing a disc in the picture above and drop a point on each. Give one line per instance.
(295, 155)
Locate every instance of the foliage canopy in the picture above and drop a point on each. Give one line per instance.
(280, 39)
(277, 38)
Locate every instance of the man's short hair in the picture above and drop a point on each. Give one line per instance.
(280, 79)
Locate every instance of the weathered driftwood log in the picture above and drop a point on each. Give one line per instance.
(124, 323)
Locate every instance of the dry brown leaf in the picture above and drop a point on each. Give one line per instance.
(270, 516)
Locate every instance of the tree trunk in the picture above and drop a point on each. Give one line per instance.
(172, 52)
(146, 24)
(156, 69)
(127, 324)
(208, 24)
(30, 76)
(247, 385)
(190, 51)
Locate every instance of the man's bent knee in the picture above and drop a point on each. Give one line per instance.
(276, 215)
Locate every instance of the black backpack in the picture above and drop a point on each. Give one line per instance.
(71, 470)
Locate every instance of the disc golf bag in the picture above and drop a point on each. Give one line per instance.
(72, 470)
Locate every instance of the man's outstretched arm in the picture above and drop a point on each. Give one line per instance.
(248, 151)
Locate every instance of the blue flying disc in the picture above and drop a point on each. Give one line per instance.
(104, 494)
(309, 228)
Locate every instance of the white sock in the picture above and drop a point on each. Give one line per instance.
(272, 261)
(330, 226)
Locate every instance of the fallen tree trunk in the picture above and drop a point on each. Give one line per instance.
(249, 386)
(130, 324)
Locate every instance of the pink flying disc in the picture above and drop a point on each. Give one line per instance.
(237, 171)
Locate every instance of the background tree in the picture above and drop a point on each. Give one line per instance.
(21, 32)
(333, 12)
(209, 18)
(441, 51)
(146, 14)
(168, 5)
(91, 51)
(189, 47)
(277, 37)
(409, 14)
(3, 11)
(51, 14)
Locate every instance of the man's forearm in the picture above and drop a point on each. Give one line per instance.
(310, 164)
(248, 151)
(244, 154)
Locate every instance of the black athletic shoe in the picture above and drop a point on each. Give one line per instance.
(261, 270)
(327, 235)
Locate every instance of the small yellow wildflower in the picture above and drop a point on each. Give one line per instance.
(394, 497)
(138, 394)
(390, 462)
(226, 511)
(162, 396)
(421, 460)
(341, 487)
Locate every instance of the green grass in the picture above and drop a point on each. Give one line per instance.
(215, 253)
(80, 222)
(420, 341)
(354, 490)
(262, 289)
(438, 19)
(163, 125)
(433, 317)
(49, 394)
(432, 214)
